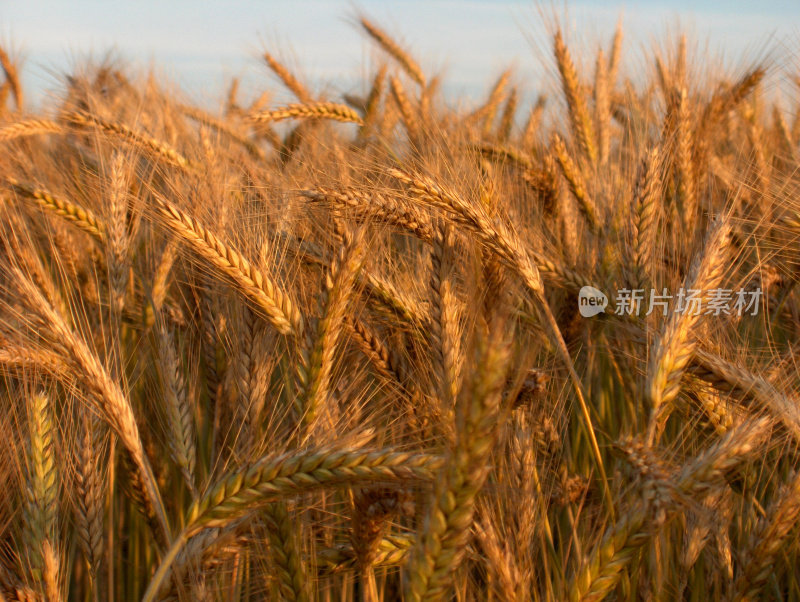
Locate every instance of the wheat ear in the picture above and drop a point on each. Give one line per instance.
(252, 372)
(602, 108)
(728, 376)
(239, 492)
(82, 218)
(407, 111)
(767, 542)
(614, 57)
(41, 492)
(488, 111)
(289, 80)
(506, 152)
(674, 347)
(576, 183)
(648, 188)
(318, 110)
(176, 404)
(498, 238)
(224, 128)
(494, 234)
(687, 195)
(507, 117)
(623, 540)
(440, 544)
(106, 396)
(12, 77)
(394, 50)
(373, 101)
(373, 508)
(506, 575)
(29, 127)
(314, 369)
(576, 104)
(156, 148)
(442, 333)
(252, 283)
(89, 489)
(377, 207)
(117, 230)
(284, 544)
(531, 129)
(392, 550)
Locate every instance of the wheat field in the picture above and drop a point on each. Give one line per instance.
(334, 349)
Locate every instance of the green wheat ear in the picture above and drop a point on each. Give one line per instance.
(41, 492)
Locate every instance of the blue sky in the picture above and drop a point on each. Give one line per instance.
(201, 45)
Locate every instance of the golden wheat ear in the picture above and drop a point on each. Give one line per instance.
(582, 128)
(255, 285)
(288, 79)
(320, 110)
(394, 50)
(12, 78)
(676, 343)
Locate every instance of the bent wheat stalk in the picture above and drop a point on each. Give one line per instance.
(271, 478)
